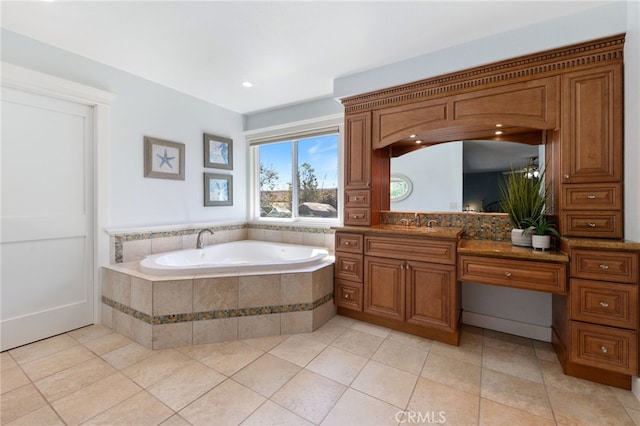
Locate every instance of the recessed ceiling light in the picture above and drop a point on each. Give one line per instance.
(412, 136)
(247, 84)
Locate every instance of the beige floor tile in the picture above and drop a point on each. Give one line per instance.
(141, 409)
(405, 339)
(469, 350)
(42, 348)
(575, 409)
(453, 372)
(229, 403)
(341, 321)
(175, 420)
(515, 392)
(230, 357)
(358, 342)
(544, 351)
(161, 364)
(508, 342)
(404, 357)
(272, 414)
(126, 356)
(70, 380)
(6, 361)
(266, 374)
(309, 395)
(442, 402)
(634, 415)
(554, 377)
(106, 343)
(517, 364)
(626, 398)
(90, 332)
(386, 383)
(186, 385)
(20, 402)
(58, 361)
(494, 414)
(298, 349)
(338, 365)
(327, 333)
(91, 400)
(44, 416)
(375, 330)
(356, 408)
(12, 378)
(265, 343)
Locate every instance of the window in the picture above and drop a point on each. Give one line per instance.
(297, 177)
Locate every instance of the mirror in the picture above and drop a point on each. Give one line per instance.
(461, 176)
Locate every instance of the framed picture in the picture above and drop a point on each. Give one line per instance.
(218, 189)
(218, 152)
(163, 159)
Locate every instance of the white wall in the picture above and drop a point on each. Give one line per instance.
(143, 108)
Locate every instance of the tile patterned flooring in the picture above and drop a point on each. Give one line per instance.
(346, 373)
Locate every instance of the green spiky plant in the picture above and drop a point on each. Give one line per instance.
(522, 198)
(541, 226)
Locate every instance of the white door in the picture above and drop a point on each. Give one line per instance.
(47, 217)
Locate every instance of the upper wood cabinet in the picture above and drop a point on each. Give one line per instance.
(357, 152)
(592, 125)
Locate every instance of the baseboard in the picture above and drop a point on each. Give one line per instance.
(517, 328)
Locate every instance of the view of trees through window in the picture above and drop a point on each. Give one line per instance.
(312, 188)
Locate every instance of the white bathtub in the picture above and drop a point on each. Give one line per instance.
(245, 256)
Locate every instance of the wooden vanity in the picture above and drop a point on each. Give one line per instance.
(569, 99)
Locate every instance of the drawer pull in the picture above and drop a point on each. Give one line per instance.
(591, 197)
(567, 176)
(604, 349)
(347, 243)
(604, 266)
(507, 274)
(604, 304)
(591, 224)
(346, 295)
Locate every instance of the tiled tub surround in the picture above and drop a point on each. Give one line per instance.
(166, 312)
(135, 244)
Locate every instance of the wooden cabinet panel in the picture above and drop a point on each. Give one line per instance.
(432, 295)
(358, 198)
(349, 295)
(592, 197)
(604, 265)
(592, 125)
(349, 267)
(594, 224)
(430, 250)
(604, 303)
(530, 275)
(604, 347)
(360, 216)
(357, 153)
(350, 243)
(384, 291)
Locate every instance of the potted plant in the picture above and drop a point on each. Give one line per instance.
(522, 197)
(540, 228)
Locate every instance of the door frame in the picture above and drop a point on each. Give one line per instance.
(30, 81)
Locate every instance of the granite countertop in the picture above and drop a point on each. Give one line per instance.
(602, 244)
(504, 249)
(434, 232)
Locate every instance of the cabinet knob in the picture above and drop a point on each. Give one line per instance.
(604, 349)
(604, 304)
(347, 243)
(591, 197)
(346, 296)
(604, 266)
(591, 224)
(507, 274)
(567, 176)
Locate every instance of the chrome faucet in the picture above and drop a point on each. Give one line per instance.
(199, 243)
(417, 220)
(431, 222)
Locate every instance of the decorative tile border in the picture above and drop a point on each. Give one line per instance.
(225, 313)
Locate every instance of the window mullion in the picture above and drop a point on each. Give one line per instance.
(294, 179)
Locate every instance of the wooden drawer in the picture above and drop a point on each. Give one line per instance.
(348, 295)
(603, 303)
(592, 224)
(592, 197)
(530, 275)
(349, 267)
(429, 250)
(361, 198)
(351, 243)
(604, 265)
(608, 348)
(357, 216)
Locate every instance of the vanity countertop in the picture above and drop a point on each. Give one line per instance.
(434, 232)
(601, 244)
(504, 249)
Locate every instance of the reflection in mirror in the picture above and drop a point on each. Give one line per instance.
(461, 176)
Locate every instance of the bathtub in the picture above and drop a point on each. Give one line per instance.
(238, 257)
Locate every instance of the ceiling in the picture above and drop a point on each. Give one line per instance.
(290, 51)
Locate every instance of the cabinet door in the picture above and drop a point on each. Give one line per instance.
(384, 290)
(357, 152)
(592, 125)
(432, 295)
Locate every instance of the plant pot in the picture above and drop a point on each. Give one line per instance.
(542, 242)
(519, 238)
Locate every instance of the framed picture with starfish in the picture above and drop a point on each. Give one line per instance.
(163, 159)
